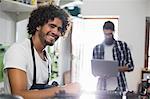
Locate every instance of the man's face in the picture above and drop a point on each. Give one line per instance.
(50, 32)
(108, 33)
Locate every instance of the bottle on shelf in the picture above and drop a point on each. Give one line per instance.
(30, 2)
(33, 2)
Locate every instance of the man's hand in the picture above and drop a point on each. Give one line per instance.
(123, 69)
(72, 88)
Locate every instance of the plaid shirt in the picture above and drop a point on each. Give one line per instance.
(122, 54)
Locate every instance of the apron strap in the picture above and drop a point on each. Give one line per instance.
(34, 64)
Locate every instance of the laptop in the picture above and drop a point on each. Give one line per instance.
(104, 68)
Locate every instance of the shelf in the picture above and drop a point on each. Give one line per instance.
(15, 6)
(145, 71)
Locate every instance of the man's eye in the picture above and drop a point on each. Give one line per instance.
(52, 26)
(60, 29)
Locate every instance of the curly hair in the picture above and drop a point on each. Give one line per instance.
(42, 14)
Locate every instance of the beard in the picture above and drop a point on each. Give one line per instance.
(43, 37)
(53, 40)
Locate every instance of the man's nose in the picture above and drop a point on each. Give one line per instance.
(56, 31)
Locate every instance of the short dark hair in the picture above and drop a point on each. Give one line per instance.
(42, 14)
(109, 25)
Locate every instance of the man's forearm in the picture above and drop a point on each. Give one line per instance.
(73, 88)
(38, 94)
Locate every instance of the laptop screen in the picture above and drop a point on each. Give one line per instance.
(104, 67)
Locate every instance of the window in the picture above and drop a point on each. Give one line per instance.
(147, 50)
(86, 34)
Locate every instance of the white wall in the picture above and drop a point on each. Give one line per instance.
(21, 30)
(148, 5)
(131, 28)
(7, 28)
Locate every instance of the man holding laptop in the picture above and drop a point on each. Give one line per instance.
(114, 50)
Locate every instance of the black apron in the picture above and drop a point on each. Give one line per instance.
(35, 85)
